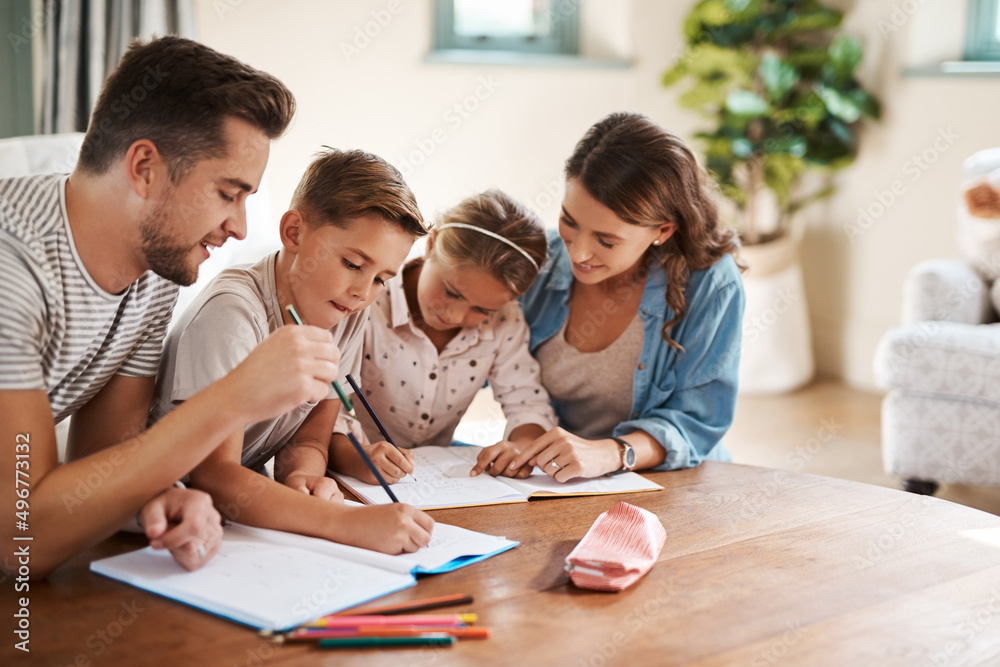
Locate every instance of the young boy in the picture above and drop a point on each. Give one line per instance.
(351, 224)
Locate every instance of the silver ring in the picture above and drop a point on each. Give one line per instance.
(202, 552)
(553, 462)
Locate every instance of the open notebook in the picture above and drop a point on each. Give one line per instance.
(272, 580)
(443, 481)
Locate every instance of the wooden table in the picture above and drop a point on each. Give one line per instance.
(761, 567)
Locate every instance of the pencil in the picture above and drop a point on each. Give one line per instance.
(350, 409)
(360, 642)
(414, 605)
(453, 620)
(336, 387)
(371, 411)
(382, 631)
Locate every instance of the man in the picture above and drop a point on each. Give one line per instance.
(89, 268)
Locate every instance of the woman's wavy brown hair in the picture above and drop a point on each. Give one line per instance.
(648, 177)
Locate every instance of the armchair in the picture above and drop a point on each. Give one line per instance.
(941, 416)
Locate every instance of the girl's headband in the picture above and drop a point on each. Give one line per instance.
(513, 245)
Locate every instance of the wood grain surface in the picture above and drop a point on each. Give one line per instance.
(761, 567)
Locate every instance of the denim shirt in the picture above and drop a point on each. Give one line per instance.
(684, 400)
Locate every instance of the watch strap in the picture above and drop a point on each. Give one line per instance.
(625, 447)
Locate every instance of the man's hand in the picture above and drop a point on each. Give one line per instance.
(185, 522)
(294, 365)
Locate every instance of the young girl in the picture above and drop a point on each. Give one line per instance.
(448, 324)
(636, 319)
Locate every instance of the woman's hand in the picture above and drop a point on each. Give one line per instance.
(564, 456)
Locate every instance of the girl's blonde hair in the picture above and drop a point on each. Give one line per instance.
(495, 212)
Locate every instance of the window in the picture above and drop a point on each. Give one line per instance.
(525, 26)
(982, 37)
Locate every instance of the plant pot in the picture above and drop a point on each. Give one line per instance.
(777, 345)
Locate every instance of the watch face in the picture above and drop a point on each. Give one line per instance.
(629, 458)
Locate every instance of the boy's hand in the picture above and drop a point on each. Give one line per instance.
(320, 486)
(292, 366)
(394, 464)
(185, 522)
(496, 459)
(391, 529)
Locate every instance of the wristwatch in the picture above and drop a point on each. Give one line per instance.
(628, 456)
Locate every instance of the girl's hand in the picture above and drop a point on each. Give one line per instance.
(393, 464)
(322, 487)
(564, 456)
(496, 459)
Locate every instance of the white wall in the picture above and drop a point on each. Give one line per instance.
(525, 121)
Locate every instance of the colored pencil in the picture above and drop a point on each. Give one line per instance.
(361, 642)
(312, 634)
(371, 411)
(350, 409)
(402, 619)
(413, 605)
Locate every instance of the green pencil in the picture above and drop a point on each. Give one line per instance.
(336, 387)
(362, 642)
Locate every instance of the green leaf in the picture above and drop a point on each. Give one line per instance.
(780, 172)
(792, 144)
(845, 54)
(712, 60)
(778, 76)
(674, 74)
(714, 12)
(806, 21)
(869, 105)
(840, 105)
(704, 93)
(744, 9)
(746, 103)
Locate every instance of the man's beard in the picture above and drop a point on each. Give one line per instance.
(165, 257)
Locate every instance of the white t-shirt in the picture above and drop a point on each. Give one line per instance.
(60, 331)
(236, 311)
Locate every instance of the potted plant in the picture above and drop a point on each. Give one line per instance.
(778, 86)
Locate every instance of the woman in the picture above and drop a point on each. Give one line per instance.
(636, 317)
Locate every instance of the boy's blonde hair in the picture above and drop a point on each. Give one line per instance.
(342, 185)
(493, 211)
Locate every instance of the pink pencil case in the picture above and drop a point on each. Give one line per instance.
(619, 548)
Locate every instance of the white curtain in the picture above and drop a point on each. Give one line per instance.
(81, 43)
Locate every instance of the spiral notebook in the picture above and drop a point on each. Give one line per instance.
(443, 481)
(273, 580)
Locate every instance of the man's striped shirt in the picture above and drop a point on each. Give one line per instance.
(59, 331)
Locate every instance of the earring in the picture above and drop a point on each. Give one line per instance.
(656, 242)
